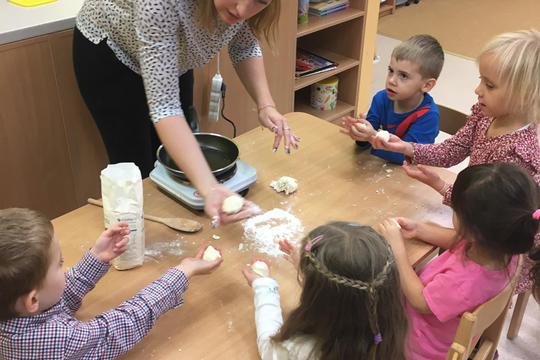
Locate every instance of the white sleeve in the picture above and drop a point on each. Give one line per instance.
(268, 318)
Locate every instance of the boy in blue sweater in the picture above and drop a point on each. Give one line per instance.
(404, 108)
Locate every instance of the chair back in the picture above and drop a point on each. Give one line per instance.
(485, 322)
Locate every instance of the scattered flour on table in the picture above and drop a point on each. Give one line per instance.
(266, 230)
(158, 249)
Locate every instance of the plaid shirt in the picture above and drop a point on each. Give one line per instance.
(56, 334)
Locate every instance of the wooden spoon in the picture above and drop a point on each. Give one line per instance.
(180, 224)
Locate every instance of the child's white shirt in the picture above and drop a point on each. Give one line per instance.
(268, 320)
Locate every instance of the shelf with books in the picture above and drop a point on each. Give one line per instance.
(343, 63)
(317, 23)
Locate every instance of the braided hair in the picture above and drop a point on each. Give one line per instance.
(351, 298)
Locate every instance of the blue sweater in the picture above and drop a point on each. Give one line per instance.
(423, 131)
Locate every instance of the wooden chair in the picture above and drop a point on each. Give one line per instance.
(483, 324)
(517, 314)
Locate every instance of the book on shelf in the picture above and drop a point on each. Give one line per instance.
(327, 7)
(308, 63)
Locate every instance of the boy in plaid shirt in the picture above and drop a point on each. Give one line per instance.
(38, 301)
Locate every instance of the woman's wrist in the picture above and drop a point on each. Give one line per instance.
(265, 106)
(206, 190)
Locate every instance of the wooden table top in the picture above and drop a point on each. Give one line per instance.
(336, 182)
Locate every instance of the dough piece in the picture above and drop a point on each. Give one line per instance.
(260, 268)
(285, 184)
(396, 222)
(362, 126)
(232, 204)
(211, 254)
(383, 134)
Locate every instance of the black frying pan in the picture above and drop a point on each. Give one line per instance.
(219, 151)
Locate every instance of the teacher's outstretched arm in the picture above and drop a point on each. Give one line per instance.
(252, 74)
(180, 143)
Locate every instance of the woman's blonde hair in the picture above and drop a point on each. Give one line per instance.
(518, 56)
(264, 24)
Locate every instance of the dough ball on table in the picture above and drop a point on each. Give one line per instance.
(232, 204)
(285, 184)
(211, 254)
(260, 268)
(383, 134)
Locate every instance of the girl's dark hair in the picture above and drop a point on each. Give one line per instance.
(350, 294)
(494, 204)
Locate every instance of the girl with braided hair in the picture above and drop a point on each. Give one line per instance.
(495, 218)
(350, 306)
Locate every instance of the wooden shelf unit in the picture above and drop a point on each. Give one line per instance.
(346, 37)
(387, 7)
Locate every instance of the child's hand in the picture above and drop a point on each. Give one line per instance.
(291, 252)
(251, 275)
(409, 228)
(357, 129)
(112, 242)
(394, 144)
(191, 266)
(425, 175)
(390, 230)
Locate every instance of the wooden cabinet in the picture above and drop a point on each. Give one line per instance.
(51, 150)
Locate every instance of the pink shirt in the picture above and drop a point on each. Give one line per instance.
(453, 284)
(520, 147)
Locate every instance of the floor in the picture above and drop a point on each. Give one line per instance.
(455, 90)
(462, 26)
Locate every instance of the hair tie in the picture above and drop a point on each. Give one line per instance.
(313, 242)
(377, 339)
(536, 214)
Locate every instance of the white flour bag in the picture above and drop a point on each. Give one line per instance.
(122, 193)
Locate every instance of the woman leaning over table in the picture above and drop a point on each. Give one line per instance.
(129, 57)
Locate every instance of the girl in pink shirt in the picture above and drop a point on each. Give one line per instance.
(503, 126)
(494, 207)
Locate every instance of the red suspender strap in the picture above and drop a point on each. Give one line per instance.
(404, 126)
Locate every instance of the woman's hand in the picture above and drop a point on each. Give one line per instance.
(214, 201)
(394, 144)
(270, 118)
(358, 129)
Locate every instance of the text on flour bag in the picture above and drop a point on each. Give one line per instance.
(122, 193)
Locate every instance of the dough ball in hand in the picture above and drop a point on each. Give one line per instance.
(383, 135)
(211, 254)
(260, 268)
(232, 204)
